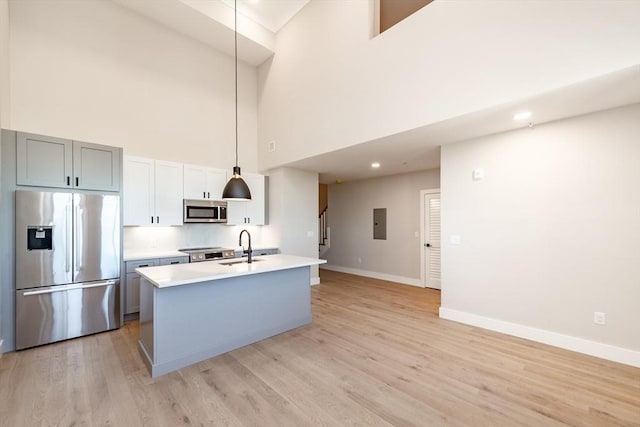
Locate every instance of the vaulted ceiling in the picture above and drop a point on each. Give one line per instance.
(212, 22)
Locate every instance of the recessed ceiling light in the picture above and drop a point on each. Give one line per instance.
(522, 115)
(375, 165)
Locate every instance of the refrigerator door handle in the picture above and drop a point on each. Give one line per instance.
(67, 240)
(70, 287)
(76, 219)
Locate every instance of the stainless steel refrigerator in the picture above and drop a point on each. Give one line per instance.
(67, 265)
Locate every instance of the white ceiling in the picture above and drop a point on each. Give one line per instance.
(271, 14)
(212, 22)
(419, 149)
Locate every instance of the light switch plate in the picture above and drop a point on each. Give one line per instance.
(478, 174)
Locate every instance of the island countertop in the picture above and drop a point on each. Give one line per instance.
(183, 274)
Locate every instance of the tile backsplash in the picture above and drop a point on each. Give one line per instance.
(192, 235)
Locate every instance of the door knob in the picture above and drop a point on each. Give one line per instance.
(427, 245)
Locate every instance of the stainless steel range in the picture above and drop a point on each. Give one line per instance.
(208, 254)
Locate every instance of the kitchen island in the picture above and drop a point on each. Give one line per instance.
(191, 312)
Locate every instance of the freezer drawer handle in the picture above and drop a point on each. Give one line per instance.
(70, 287)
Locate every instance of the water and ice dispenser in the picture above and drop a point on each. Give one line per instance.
(40, 238)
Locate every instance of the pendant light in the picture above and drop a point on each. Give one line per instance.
(236, 188)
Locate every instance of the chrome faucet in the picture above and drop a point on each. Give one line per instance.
(248, 251)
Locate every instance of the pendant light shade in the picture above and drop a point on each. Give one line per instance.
(236, 189)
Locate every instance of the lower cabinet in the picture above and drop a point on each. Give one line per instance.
(258, 252)
(132, 294)
(132, 279)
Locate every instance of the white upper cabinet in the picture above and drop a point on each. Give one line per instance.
(203, 183)
(168, 193)
(138, 203)
(152, 192)
(251, 212)
(46, 161)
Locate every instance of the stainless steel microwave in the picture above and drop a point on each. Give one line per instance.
(204, 211)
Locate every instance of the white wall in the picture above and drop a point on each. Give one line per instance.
(329, 85)
(293, 213)
(4, 63)
(550, 236)
(96, 71)
(4, 97)
(350, 218)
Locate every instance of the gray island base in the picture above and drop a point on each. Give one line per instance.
(182, 325)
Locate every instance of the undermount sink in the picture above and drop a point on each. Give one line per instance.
(244, 261)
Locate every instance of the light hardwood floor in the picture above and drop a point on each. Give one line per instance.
(376, 354)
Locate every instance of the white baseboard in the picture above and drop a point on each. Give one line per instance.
(580, 345)
(373, 274)
(315, 281)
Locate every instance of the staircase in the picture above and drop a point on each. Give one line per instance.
(323, 233)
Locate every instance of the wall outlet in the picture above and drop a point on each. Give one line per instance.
(271, 146)
(599, 318)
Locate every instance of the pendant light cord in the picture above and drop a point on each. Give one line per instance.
(235, 33)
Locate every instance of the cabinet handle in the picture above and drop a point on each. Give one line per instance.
(175, 262)
(68, 180)
(143, 265)
(208, 195)
(157, 220)
(204, 195)
(151, 220)
(77, 181)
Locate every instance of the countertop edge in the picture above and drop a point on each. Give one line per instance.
(170, 253)
(137, 256)
(151, 273)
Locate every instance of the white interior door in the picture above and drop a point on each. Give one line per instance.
(431, 241)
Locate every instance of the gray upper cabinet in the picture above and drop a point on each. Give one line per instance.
(46, 161)
(96, 167)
